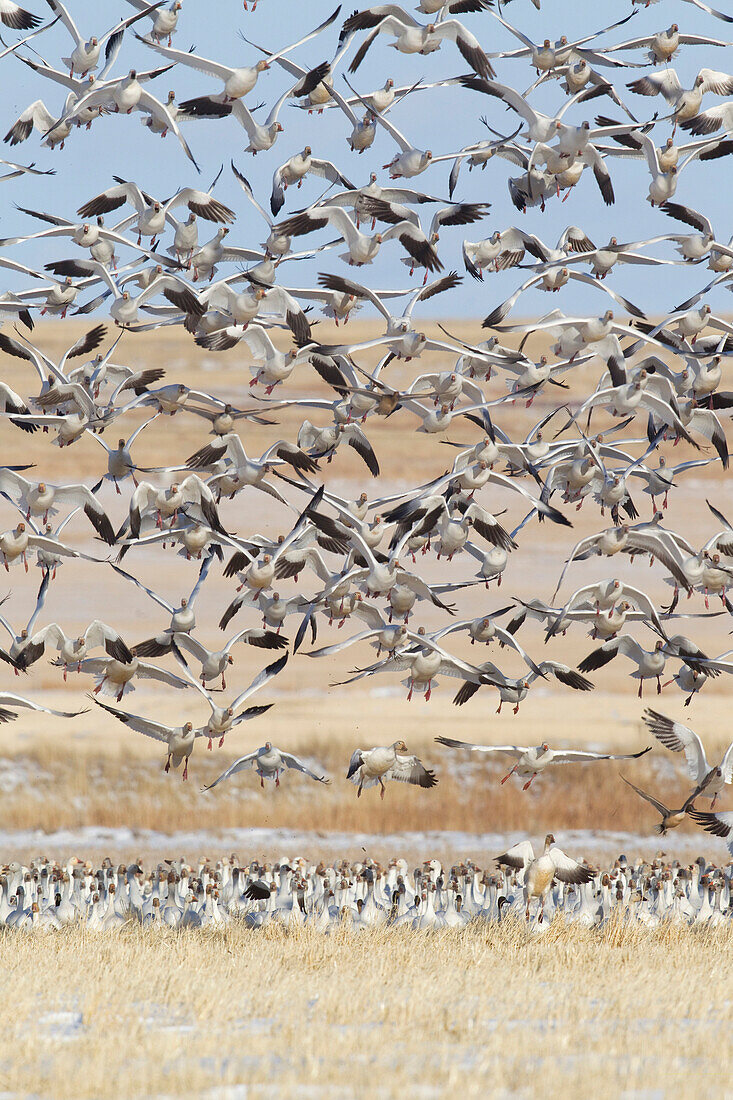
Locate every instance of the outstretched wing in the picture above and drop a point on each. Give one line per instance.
(410, 769)
(293, 762)
(510, 750)
(648, 797)
(517, 856)
(678, 738)
(577, 756)
(355, 763)
(719, 824)
(567, 869)
(135, 722)
(237, 766)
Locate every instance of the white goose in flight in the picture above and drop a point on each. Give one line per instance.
(269, 762)
(678, 738)
(179, 739)
(222, 719)
(368, 767)
(531, 761)
(237, 81)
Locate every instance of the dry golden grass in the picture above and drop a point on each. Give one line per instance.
(490, 1010)
(117, 787)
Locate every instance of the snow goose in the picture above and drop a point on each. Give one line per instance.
(410, 161)
(262, 136)
(269, 762)
(363, 130)
(274, 609)
(115, 678)
(412, 506)
(649, 663)
(355, 198)
(532, 760)
(540, 128)
(541, 871)
(85, 55)
(368, 767)
(685, 103)
(694, 246)
(664, 180)
(36, 116)
(27, 646)
(237, 81)
(124, 95)
(604, 596)
(151, 214)
(42, 499)
(183, 618)
(548, 56)
(377, 101)
(553, 278)
(664, 44)
(294, 171)
(362, 248)
(479, 153)
(414, 37)
(124, 309)
(240, 470)
(72, 651)
(502, 250)
(222, 719)
(166, 504)
(214, 663)
(15, 543)
(179, 739)
(644, 538)
(314, 86)
(322, 442)
(99, 240)
(165, 18)
(423, 660)
(120, 463)
(670, 818)
(397, 325)
(383, 635)
(678, 738)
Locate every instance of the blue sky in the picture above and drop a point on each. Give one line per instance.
(443, 119)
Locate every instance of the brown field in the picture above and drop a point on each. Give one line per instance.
(491, 1010)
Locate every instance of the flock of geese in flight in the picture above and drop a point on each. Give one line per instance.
(357, 560)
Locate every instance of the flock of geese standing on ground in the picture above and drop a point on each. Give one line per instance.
(293, 893)
(339, 560)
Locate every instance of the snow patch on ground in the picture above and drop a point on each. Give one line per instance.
(255, 842)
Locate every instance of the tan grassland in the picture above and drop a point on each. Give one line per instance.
(488, 1011)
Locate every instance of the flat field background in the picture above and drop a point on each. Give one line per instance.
(488, 1011)
(231, 1015)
